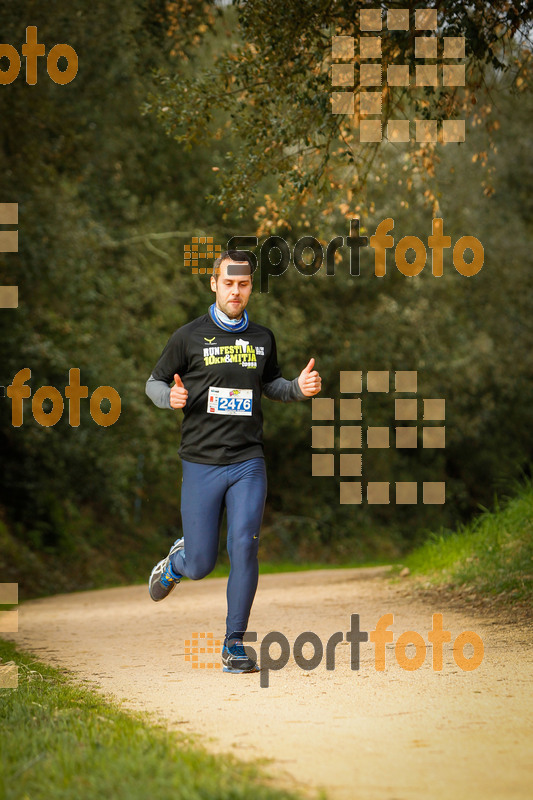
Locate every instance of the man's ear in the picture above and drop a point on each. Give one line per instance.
(213, 284)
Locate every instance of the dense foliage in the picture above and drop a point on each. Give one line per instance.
(106, 202)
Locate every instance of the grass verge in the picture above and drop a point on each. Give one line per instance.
(105, 558)
(274, 567)
(492, 555)
(60, 741)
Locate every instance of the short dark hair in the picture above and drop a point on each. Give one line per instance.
(236, 255)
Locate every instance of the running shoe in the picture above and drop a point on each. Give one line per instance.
(163, 578)
(235, 660)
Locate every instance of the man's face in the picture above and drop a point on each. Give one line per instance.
(232, 291)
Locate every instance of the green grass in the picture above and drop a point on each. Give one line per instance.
(63, 742)
(273, 567)
(493, 554)
(105, 558)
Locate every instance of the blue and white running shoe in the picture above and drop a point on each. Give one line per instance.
(235, 660)
(163, 578)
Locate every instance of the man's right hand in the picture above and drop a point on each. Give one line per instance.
(178, 393)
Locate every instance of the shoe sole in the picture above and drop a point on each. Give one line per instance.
(158, 599)
(157, 567)
(178, 545)
(234, 671)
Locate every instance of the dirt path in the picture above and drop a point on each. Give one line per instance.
(360, 734)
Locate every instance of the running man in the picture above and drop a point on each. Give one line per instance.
(219, 365)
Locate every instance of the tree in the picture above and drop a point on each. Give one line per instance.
(91, 177)
(274, 82)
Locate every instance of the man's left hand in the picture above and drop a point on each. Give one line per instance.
(309, 380)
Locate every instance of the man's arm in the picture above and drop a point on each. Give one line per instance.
(309, 380)
(171, 364)
(158, 392)
(165, 396)
(275, 387)
(283, 391)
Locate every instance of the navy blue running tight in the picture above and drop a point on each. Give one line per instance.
(205, 490)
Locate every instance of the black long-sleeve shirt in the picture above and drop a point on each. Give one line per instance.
(225, 375)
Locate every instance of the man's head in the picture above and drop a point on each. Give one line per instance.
(232, 282)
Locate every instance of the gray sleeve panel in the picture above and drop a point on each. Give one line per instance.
(158, 392)
(283, 391)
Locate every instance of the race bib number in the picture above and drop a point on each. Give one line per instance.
(229, 401)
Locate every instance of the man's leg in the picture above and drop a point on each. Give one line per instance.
(245, 502)
(195, 555)
(202, 507)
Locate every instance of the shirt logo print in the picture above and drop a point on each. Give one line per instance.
(242, 352)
